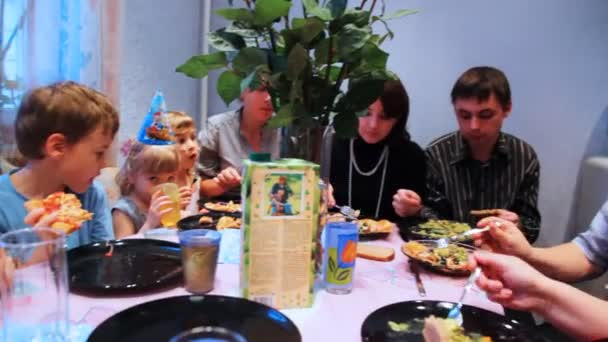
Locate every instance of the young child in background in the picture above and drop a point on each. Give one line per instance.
(139, 209)
(64, 131)
(184, 131)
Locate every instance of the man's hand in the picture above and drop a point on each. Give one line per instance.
(503, 237)
(510, 281)
(228, 178)
(407, 203)
(331, 200)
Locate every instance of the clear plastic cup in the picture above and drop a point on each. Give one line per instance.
(170, 190)
(200, 249)
(33, 285)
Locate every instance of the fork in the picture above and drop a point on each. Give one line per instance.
(348, 211)
(455, 310)
(444, 242)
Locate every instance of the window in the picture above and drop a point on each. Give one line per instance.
(14, 19)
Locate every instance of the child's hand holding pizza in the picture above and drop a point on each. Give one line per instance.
(58, 210)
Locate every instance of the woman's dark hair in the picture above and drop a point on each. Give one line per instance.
(396, 105)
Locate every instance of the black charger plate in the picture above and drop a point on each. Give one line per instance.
(475, 320)
(136, 265)
(162, 319)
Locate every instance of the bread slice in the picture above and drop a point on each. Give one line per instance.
(374, 252)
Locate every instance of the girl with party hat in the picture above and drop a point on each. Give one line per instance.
(152, 160)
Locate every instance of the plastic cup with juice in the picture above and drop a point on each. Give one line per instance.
(200, 249)
(170, 190)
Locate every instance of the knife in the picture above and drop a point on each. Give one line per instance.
(416, 271)
(171, 274)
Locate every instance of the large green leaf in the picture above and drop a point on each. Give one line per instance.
(346, 124)
(307, 29)
(313, 8)
(398, 14)
(268, 10)
(199, 66)
(242, 30)
(226, 41)
(337, 7)
(373, 57)
(351, 38)
(229, 86)
(296, 62)
(236, 14)
(353, 16)
(248, 59)
(322, 52)
(284, 117)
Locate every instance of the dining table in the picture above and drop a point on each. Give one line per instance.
(332, 317)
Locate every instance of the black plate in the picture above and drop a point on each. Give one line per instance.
(499, 328)
(162, 319)
(136, 265)
(438, 268)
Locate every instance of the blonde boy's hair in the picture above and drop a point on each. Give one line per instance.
(68, 108)
(180, 122)
(150, 159)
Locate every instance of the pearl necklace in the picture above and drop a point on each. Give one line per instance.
(353, 163)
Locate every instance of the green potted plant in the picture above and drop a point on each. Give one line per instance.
(323, 66)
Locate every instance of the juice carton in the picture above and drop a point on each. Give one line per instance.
(280, 202)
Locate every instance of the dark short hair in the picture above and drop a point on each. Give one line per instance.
(480, 83)
(69, 108)
(396, 104)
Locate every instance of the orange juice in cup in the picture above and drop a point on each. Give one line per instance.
(170, 190)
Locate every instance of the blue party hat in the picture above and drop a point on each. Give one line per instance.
(155, 130)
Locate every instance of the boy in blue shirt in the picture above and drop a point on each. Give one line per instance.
(64, 131)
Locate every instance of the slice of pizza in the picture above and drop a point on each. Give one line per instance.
(485, 212)
(70, 214)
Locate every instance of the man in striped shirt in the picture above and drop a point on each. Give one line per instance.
(478, 166)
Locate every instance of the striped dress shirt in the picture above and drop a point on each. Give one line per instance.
(458, 184)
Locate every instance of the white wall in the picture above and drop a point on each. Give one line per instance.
(157, 36)
(555, 54)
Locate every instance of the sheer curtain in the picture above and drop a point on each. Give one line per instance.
(58, 40)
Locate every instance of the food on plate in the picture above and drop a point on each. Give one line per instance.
(70, 214)
(399, 327)
(228, 222)
(452, 257)
(205, 220)
(440, 228)
(485, 212)
(229, 207)
(375, 252)
(448, 330)
(366, 226)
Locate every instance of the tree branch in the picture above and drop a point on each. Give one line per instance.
(371, 10)
(15, 30)
(362, 4)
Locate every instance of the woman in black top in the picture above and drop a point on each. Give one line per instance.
(378, 169)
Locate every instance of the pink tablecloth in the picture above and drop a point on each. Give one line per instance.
(332, 317)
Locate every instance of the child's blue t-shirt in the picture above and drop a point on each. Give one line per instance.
(13, 212)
